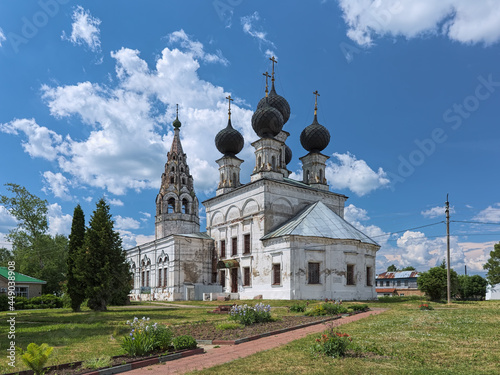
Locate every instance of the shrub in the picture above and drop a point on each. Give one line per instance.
(298, 307)
(328, 308)
(36, 356)
(96, 363)
(363, 307)
(4, 302)
(425, 306)
(47, 301)
(184, 342)
(332, 343)
(146, 337)
(249, 315)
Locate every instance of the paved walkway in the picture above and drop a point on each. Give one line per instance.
(228, 353)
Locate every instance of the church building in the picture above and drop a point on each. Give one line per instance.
(272, 238)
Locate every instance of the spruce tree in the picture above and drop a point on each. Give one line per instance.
(76, 282)
(493, 266)
(106, 272)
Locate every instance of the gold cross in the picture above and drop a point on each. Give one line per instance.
(267, 76)
(273, 59)
(316, 93)
(230, 100)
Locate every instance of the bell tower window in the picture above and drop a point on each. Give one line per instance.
(185, 206)
(171, 205)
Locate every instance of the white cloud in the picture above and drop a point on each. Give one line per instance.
(354, 175)
(477, 254)
(249, 27)
(42, 142)
(196, 48)
(353, 213)
(84, 30)
(59, 223)
(7, 221)
(2, 37)
(460, 20)
(434, 212)
(115, 202)
(57, 184)
(126, 223)
(491, 214)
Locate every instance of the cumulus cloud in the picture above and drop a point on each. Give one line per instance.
(463, 21)
(84, 30)
(126, 223)
(250, 27)
(196, 48)
(434, 212)
(355, 175)
(57, 184)
(353, 213)
(115, 202)
(2, 37)
(491, 214)
(136, 110)
(59, 223)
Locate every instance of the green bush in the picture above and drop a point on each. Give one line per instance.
(146, 337)
(363, 307)
(396, 299)
(327, 309)
(36, 356)
(249, 315)
(96, 363)
(184, 342)
(47, 301)
(298, 307)
(332, 343)
(4, 302)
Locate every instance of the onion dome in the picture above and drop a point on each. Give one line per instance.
(229, 141)
(267, 121)
(315, 137)
(278, 102)
(177, 124)
(288, 155)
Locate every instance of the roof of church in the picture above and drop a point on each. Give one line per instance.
(317, 220)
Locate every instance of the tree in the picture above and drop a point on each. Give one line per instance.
(76, 282)
(5, 257)
(106, 273)
(493, 266)
(471, 287)
(392, 268)
(409, 268)
(434, 282)
(35, 252)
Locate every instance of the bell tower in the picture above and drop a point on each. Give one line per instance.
(176, 203)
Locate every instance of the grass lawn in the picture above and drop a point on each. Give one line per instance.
(463, 338)
(457, 339)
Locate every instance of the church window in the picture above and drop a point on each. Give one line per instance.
(350, 274)
(273, 163)
(259, 161)
(276, 275)
(320, 176)
(369, 276)
(159, 277)
(172, 179)
(223, 278)
(173, 169)
(175, 157)
(165, 278)
(313, 273)
(234, 179)
(246, 247)
(223, 248)
(147, 278)
(183, 181)
(246, 276)
(185, 206)
(171, 205)
(182, 170)
(143, 275)
(234, 246)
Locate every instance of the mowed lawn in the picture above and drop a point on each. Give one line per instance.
(463, 338)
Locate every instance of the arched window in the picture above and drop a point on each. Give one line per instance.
(185, 206)
(320, 176)
(183, 181)
(234, 179)
(259, 161)
(175, 157)
(173, 169)
(182, 169)
(273, 163)
(172, 179)
(171, 205)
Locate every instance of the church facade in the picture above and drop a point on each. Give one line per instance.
(271, 238)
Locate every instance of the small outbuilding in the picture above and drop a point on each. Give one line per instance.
(25, 286)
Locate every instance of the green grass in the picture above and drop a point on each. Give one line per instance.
(458, 339)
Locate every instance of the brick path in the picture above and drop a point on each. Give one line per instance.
(228, 353)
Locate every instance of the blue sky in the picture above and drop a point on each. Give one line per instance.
(409, 90)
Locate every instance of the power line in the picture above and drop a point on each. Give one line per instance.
(474, 222)
(404, 230)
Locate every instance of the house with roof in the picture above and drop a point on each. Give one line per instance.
(25, 286)
(401, 283)
(274, 237)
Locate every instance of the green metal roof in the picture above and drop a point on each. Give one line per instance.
(317, 220)
(20, 278)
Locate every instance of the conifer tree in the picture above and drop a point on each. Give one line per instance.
(493, 266)
(105, 269)
(76, 283)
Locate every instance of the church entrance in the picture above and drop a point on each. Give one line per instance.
(234, 280)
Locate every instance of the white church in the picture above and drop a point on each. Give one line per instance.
(272, 238)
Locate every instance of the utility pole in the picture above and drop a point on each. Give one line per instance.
(448, 277)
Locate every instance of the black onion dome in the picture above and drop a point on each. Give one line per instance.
(315, 137)
(288, 154)
(229, 141)
(267, 121)
(278, 102)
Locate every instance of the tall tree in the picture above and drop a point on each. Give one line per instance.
(471, 287)
(76, 282)
(434, 282)
(493, 266)
(35, 252)
(5, 256)
(392, 268)
(104, 267)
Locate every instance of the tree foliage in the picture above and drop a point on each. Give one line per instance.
(35, 252)
(471, 287)
(106, 273)
(75, 280)
(434, 282)
(393, 268)
(493, 266)
(5, 256)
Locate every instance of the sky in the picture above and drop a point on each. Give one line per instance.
(409, 90)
